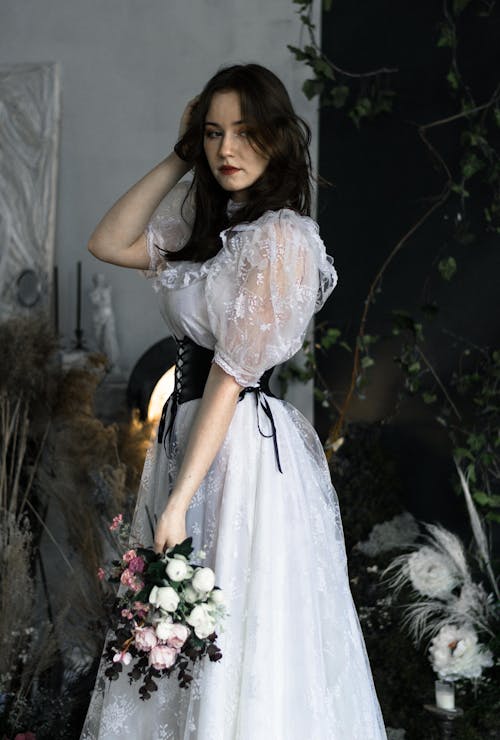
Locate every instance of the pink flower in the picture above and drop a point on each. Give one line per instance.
(138, 585)
(122, 657)
(129, 555)
(162, 656)
(145, 638)
(116, 523)
(131, 581)
(140, 609)
(127, 614)
(25, 736)
(127, 578)
(179, 635)
(136, 565)
(101, 574)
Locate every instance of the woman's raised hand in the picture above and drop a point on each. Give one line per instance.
(186, 116)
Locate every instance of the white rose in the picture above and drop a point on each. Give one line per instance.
(217, 596)
(190, 594)
(200, 619)
(204, 580)
(164, 629)
(177, 569)
(164, 597)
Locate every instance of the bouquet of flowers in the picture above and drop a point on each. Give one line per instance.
(164, 618)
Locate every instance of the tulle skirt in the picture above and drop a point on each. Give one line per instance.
(294, 663)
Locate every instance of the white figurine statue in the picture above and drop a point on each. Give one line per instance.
(104, 321)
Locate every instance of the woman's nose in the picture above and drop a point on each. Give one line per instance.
(226, 146)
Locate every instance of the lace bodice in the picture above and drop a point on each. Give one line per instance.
(251, 302)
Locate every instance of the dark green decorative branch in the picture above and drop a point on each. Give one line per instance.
(362, 94)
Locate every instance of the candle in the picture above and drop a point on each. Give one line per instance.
(55, 290)
(445, 695)
(78, 296)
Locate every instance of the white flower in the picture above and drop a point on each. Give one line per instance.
(164, 597)
(431, 573)
(204, 580)
(178, 569)
(201, 620)
(217, 596)
(455, 653)
(164, 629)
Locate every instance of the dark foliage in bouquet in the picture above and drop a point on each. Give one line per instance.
(164, 617)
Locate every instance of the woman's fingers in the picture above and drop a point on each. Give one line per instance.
(170, 531)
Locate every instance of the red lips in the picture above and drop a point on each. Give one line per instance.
(226, 170)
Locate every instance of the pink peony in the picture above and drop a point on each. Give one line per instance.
(179, 635)
(101, 574)
(162, 656)
(116, 523)
(145, 638)
(127, 614)
(136, 565)
(129, 555)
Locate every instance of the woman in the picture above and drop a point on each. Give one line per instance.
(240, 269)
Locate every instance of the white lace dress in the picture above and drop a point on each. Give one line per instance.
(294, 663)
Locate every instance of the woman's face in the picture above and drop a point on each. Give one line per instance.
(233, 161)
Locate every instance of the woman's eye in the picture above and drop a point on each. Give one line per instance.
(243, 133)
(212, 134)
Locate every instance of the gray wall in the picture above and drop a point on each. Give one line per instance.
(127, 70)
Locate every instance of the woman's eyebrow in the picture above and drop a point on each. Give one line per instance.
(213, 123)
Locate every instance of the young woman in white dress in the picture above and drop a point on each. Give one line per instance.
(240, 269)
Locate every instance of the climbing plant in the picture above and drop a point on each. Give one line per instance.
(467, 403)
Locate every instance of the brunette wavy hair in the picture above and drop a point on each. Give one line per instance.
(274, 128)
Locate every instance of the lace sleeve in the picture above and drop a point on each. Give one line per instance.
(170, 225)
(271, 277)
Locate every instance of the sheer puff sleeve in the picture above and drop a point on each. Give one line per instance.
(170, 226)
(262, 290)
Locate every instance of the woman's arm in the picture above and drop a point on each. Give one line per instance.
(119, 237)
(208, 432)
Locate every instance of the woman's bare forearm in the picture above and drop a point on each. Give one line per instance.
(208, 432)
(119, 236)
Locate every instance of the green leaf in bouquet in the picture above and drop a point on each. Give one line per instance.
(184, 548)
(143, 594)
(148, 555)
(156, 573)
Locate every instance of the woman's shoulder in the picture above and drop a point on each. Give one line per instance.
(277, 222)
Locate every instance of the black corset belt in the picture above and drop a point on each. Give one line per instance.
(192, 367)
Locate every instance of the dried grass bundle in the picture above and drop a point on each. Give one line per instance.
(28, 646)
(28, 345)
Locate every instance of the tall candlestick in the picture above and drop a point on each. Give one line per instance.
(55, 290)
(78, 296)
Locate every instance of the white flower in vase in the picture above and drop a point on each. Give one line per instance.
(456, 653)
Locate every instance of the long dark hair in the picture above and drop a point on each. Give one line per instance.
(275, 129)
